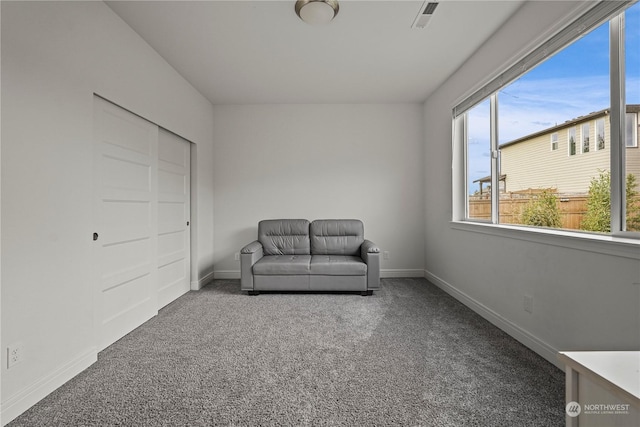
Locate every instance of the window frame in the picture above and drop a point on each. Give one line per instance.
(602, 12)
(554, 141)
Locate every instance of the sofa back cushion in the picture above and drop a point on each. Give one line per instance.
(284, 236)
(336, 237)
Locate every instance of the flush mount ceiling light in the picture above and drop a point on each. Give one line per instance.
(317, 12)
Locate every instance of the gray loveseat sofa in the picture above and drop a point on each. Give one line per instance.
(298, 255)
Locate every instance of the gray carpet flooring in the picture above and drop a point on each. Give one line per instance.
(410, 355)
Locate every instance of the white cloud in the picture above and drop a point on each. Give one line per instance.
(527, 107)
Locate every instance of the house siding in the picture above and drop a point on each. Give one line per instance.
(532, 164)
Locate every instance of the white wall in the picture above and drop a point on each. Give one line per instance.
(55, 55)
(0, 233)
(320, 161)
(586, 294)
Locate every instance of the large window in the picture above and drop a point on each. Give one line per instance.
(588, 180)
(555, 96)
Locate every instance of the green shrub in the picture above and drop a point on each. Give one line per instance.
(598, 215)
(542, 211)
(633, 204)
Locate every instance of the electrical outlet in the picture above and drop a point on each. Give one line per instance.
(528, 304)
(15, 354)
(385, 254)
(236, 256)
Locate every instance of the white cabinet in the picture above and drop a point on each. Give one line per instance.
(602, 388)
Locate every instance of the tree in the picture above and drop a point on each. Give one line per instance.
(542, 211)
(598, 215)
(633, 204)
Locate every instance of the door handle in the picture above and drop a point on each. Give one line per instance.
(95, 236)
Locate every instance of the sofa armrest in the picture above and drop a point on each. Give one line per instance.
(370, 254)
(251, 248)
(368, 247)
(249, 255)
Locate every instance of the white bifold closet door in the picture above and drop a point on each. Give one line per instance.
(141, 187)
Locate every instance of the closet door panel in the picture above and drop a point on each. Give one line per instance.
(173, 217)
(126, 220)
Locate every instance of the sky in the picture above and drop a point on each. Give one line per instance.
(572, 83)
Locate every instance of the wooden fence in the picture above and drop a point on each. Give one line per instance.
(572, 208)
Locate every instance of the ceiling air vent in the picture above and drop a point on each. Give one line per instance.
(426, 12)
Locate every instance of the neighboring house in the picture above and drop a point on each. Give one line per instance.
(567, 156)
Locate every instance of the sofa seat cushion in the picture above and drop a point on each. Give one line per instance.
(282, 265)
(337, 265)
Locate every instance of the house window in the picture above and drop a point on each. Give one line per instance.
(571, 136)
(599, 134)
(631, 134)
(586, 128)
(544, 99)
(554, 141)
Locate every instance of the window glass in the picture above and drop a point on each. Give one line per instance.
(478, 149)
(563, 101)
(586, 128)
(632, 86)
(600, 145)
(572, 136)
(550, 189)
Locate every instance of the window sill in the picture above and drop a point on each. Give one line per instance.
(601, 244)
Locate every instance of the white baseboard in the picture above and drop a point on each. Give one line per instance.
(522, 335)
(196, 285)
(32, 394)
(397, 273)
(385, 273)
(226, 274)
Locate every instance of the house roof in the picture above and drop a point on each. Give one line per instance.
(631, 108)
(488, 178)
